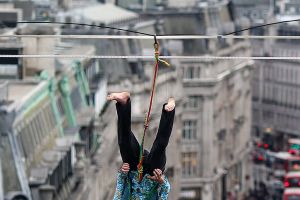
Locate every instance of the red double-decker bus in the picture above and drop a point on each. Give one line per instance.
(292, 180)
(291, 194)
(284, 162)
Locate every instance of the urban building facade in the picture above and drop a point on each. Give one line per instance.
(216, 114)
(208, 154)
(134, 76)
(275, 89)
(46, 131)
(48, 119)
(274, 84)
(216, 125)
(291, 7)
(254, 10)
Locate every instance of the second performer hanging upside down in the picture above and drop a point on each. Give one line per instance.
(154, 185)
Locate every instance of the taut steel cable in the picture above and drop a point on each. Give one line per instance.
(151, 57)
(143, 37)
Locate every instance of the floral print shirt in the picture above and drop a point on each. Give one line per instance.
(129, 188)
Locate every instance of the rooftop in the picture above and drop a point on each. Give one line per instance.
(103, 13)
(10, 44)
(294, 141)
(16, 91)
(288, 18)
(293, 174)
(34, 29)
(284, 155)
(251, 3)
(73, 49)
(292, 191)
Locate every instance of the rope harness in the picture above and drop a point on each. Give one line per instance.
(147, 118)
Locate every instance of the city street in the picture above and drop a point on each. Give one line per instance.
(268, 183)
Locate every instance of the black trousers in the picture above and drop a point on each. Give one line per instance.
(129, 146)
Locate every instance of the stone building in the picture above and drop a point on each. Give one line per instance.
(216, 121)
(291, 7)
(133, 75)
(255, 9)
(48, 124)
(275, 89)
(216, 113)
(208, 150)
(274, 84)
(47, 129)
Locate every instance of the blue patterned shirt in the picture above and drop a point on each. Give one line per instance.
(147, 189)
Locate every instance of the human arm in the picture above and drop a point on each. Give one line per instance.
(164, 185)
(164, 189)
(121, 177)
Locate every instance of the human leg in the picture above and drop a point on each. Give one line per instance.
(157, 156)
(129, 146)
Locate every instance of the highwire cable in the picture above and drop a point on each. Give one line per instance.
(150, 36)
(151, 57)
(166, 37)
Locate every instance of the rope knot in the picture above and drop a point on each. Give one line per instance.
(140, 169)
(156, 54)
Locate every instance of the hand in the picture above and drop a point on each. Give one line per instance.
(125, 168)
(158, 176)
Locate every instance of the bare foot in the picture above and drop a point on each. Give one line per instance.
(120, 97)
(170, 105)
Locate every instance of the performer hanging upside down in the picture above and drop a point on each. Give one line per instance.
(154, 185)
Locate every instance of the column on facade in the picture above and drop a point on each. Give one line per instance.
(66, 96)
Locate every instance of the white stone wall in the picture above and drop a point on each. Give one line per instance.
(226, 106)
(39, 46)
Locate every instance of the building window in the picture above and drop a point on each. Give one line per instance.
(194, 101)
(60, 106)
(34, 132)
(189, 130)
(38, 128)
(268, 116)
(132, 47)
(76, 98)
(189, 164)
(20, 140)
(51, 117)
(189, 73)
(28, 140)
(93, 96)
